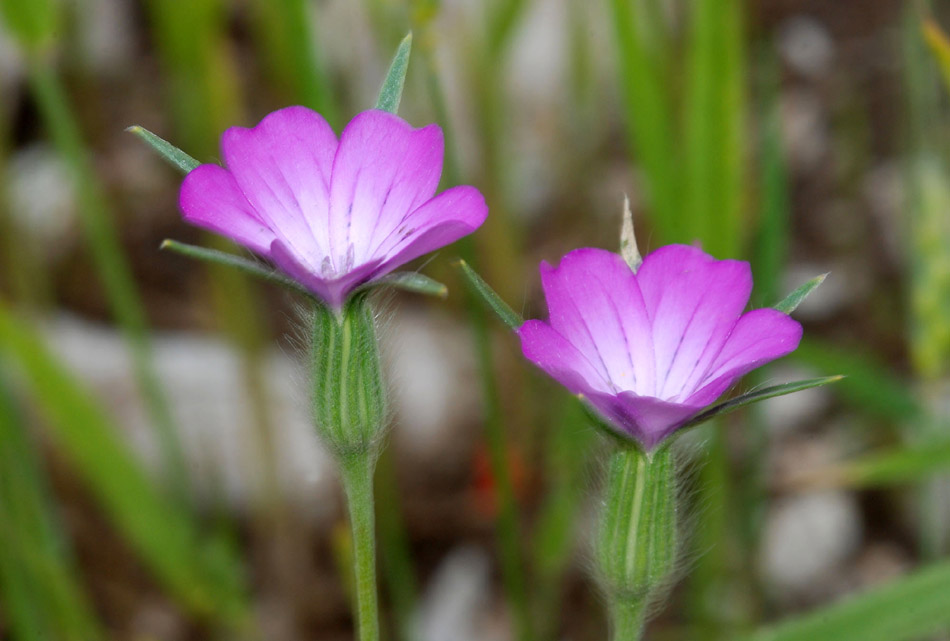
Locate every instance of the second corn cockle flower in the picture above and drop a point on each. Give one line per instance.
(651, 349)
(332, 214)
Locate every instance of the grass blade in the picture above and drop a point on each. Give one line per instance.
(908, 608)
(200, 575)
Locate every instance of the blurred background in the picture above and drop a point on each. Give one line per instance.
(159, 478)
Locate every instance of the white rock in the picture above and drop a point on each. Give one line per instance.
(792, 411)
(806, 46)
(42, 197)
(456, 598)
(807, 537)
(804, 128)
(202, 378)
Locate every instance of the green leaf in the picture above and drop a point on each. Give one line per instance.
(758, 395)
(900, 465)
(939, 45)
(869, 385)
(409, 282)
(232, 260)
(33, 22)
(172, 154)
(391, 91)
(41, 592)
(788, 304)
(491, 298)
(909, 608)
(199, 575)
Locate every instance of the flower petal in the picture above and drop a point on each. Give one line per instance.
(384, 170)
(211, 199)
(454, 213)
(645, 418)
(595, 303)
(694, 301)
(283, 166)
(332, 290)
(546, 348)
(760, 336)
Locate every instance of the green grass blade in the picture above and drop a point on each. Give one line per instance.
(896, 466)
(172, 154)
(791, 302)
(488, 296)
(868, 385)
(908, 608)
(287, 36)
(713, 124)
(939, 45)
(34, 23)
(38, 585)
(197, 573)
(391, 92)
(649, 118)
(111, 263)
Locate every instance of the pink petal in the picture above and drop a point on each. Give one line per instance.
(595, 303)
(546, 348)
(694, 301)
(210, 198)
(384, 170)
(283, 166)
(649, 420)
(760, 336)
(332, 290)
(454, 213)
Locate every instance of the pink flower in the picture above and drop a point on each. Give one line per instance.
(332, 214)
(651, 349)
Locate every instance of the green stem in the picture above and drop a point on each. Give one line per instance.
(357, 476)
(626, 620)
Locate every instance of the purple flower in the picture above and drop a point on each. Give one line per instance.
(649, 350)
(332, 214)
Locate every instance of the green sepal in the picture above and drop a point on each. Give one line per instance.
(788, 304)
(636, 543)
(245, 265)
(169, 152)
(349, 396)
(758, 395)
(391, 92)
(408, 282)
(491, 298)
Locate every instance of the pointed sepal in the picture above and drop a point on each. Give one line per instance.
(491, 298)
(169, 152)
(391, 92)
(788, 304)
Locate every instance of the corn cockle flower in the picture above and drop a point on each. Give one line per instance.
(332, 214)
(650, 349)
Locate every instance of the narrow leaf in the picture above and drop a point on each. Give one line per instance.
(939, 45)
(231, 260)
(490, 297)
(788, 304)
(758, 395)
(869, 385)
(391, 91)
(167, 539)
(172, 154)
(410, 282)
(912, 607)
(900, 465)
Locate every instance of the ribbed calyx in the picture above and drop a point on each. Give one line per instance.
(636, 539)
(349, 398)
